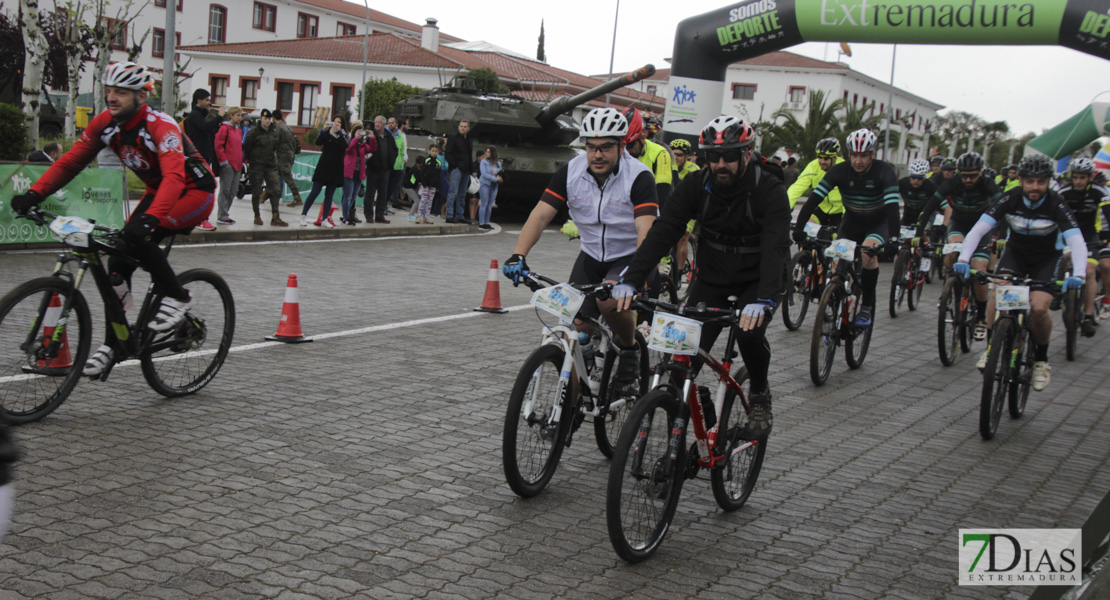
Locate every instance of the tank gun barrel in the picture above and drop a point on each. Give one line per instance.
(564, 104)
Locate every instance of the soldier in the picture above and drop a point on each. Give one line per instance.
(286, 148)
(259, 149)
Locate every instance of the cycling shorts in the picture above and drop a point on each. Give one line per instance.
(1104, 254)
(960, 224)
(859, 228)
(190, 210)
(1046, 268)
(588, 270)
(910, 216)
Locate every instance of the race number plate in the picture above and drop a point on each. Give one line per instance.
(674, 334)
(72, 230)
(841, 249)
(939, 219)
(812, 229)
(926, 264)
(908, 233)
(953, 248)
(1011, 297)
(561, 300)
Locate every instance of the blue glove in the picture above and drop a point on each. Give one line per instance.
(962, 269)
(515, 268)
(623, 290)
(1073, 283)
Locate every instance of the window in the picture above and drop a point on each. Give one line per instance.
(217, 24)
(845, 96)
(265, 15)
(308, 103)
(162, 4)
(250, 93)
(340, 99)
(158, 43)
(855, 99)
(345, 29)
(743, 91)
(797, 94)
(219, 89)
(119, 42)
(307, 25)
(285, 96)
(653, 90)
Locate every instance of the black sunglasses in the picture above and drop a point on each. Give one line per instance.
(729, 156)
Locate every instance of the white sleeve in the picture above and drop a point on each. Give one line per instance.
(971, 242)
(1078, 255)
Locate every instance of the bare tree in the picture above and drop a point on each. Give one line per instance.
(34, 63)
(76, 40)
(106, 29)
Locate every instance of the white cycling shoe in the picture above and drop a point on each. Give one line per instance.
(982, 364)
(170, 313)
(99, 361)
(1042, 375)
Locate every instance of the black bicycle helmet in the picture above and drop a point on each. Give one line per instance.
(989, 173)
(828, 147)
(949, 164)
(936, 159)
(970, 161)
(1036, 165)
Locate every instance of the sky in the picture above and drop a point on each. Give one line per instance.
(1032, 88)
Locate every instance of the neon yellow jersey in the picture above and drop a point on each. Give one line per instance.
(1011, 184)
(687, 168)
(807, 180)
(658, 159)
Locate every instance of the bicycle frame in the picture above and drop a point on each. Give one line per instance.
(566, 335)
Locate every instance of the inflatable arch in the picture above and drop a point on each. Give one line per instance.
(1081, 129)
(707, 44)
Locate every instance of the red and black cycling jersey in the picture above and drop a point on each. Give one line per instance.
(151, 144)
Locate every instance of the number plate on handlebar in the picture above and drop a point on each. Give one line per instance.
(908, 233)
(561, 300)
(1011, 297)
(674, 334)
(72, 230)
(926, 264)
(952, 248)
(812, 229)
(938, 219)
(841, 249)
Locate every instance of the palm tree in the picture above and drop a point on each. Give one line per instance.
(800, 137)
(858, 117)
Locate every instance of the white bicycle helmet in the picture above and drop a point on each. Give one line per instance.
(861, 140)
(1082, 165)
(919, 166)
(604, 122)
(128, 75)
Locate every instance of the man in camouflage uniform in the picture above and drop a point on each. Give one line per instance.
(287, 147)
(259, 149)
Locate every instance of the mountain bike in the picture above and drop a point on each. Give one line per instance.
(46, 327)
(955, 312)
(651, 460)
(908, 280)
(808, 271)
(567, 378)
(835, 321)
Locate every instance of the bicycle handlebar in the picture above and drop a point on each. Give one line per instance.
(696, 312)
(535, 281)
(984, 275)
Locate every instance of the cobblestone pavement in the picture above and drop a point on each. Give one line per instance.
(369, 465)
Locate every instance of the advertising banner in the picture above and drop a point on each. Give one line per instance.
(99, 194)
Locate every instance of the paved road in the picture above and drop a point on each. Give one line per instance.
(368, 465)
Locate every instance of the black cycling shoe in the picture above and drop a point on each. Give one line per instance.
(1090, 326)
(1057, 302)
(760, 419)
(628, 372)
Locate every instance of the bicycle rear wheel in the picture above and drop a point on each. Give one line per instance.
(966, 320)
(948, 322)
(799, 290)
(644, 482)
(37, 374)
(826, 333)
(899, 282)
(1073, 317)
(184, 359)
(913, 297)
(1023, 376)
(733, 479)
(532, 440)
(996, 378)
(607, 427)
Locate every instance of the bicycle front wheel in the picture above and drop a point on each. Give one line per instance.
(948, 322)
(733, 479)
(915, 279)
(1023, 376)
(532, 441)
(798, 291)
(826, 333)
(997, 377)
(37, 373)
(184, 359)
(644, 480)
(1073, 317)
(898, 282)
(607, 427)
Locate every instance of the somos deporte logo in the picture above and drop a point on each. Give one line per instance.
(1020, 557)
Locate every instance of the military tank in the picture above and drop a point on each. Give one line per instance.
(532, 139)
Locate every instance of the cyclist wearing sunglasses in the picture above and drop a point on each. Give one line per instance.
(743, 217)
(916, 191)
(1085, 198)
(869, 190)
(831, 210)
(947, 171)
(611, 198)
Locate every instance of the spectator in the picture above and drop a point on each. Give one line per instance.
(459, 150)
(378, 170)
(397, 127)
(245, 126)
(49, 153)
(288, 146)
(491, 179)
(791, 172)
(439, 204)
(355, 169)
(473, 199)
(201, 130)
(328, 175)
(429, 176)
(229, 154)
(259, 151)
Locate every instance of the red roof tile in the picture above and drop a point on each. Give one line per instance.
(359, 10)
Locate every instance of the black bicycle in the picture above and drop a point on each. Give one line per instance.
(808, 271)
(835, 321)
(46, 326)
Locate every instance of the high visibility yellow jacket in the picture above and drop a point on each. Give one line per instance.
(807, 180)
(687, 168)
(658, 159)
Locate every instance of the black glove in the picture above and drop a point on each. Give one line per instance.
(23, 202)
(139, 230)
(515, 267)
(800, 235)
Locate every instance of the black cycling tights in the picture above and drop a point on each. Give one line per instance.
(753, 345)
(153, 259)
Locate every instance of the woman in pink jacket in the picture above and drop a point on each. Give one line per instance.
(354, 168)
(229, 151)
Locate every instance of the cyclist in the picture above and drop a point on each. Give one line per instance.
(947, 171)
(831, 209)
(1010, 179)
(1035, 215)
(915, 191)
(611, 198)
(1084, 199)
(968, 196)
(657, 158)
(744, 219)
(179, 187)
(935, 162)
(869, 190)
(683, 160)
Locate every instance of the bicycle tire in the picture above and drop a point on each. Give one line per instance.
(796, 302)
(898, 283)
(184, 359)
(644, 484)
(856, 345)
(1023, 377)
(607, 427)
(967, 306)
(1073, 317)
(734, 479)
(29, 390)
(913, 298)
(996, 378)
(826, 333)
(948, 323)
(528, 439)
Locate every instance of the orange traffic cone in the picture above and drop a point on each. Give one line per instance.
(63, 360)
(289, 329)
(491, 303)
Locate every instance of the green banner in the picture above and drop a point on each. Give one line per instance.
(95, 194)
(304, 165)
